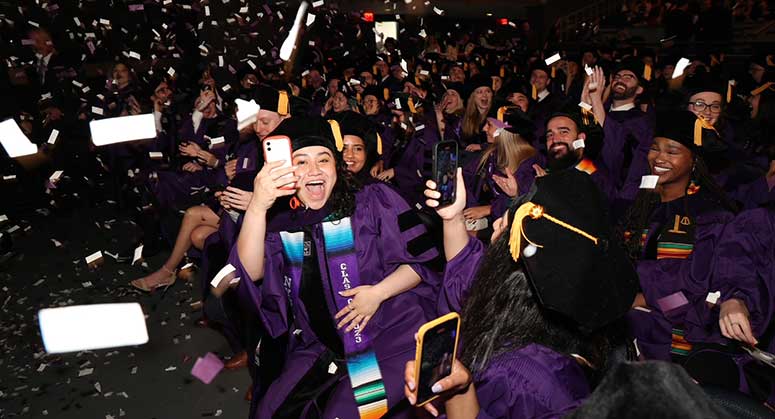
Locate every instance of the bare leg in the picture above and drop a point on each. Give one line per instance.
(200, 234)
(199, 215)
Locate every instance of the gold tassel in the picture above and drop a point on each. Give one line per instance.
(554, 71)
(714, 60)
(647, 72)
(535, 212)
(533, 92)
(374, 69)
(282, 103)
(493, 84)
(699, 124)
(337, 134)
(386, 93)
(379, 144)
(503, 71)
(417, 80)
(358, 97)
(502, 112)
(762, 88)
(412, 109)
(730, 85)
(303, 82)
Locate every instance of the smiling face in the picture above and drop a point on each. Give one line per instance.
(625, 85)
(452, 101)
(354, 153)
(671, 161)
(339, 104)
(539, 79)
(561, 132)
(317, 175)
(266, 122)
(707, 105)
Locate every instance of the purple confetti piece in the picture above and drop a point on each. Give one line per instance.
(207, 368)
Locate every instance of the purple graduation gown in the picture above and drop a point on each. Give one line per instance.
(379, 242)
(744, 270)
(498, 200)
(529, 382)
(416, 163)
(173, 189)
(671, 286)
(627, 134)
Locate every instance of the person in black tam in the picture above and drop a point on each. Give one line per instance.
(545, 99)
(348, 254)
(671, 231)
(362, 144)
(538, 330)
(478, 106)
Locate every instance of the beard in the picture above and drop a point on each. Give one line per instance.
(558, 160)
(628, 93)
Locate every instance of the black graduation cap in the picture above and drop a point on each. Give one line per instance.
(519, 123)
(562, 234)
(373, 91)
(517, 85)
(353, 123)
(636, 65)
(308, 131)
(705, 81)
(272, 99)
(404, 102)
(686, 128)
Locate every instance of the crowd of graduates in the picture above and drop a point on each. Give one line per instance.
(614, 203)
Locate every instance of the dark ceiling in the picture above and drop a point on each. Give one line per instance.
(451, 8)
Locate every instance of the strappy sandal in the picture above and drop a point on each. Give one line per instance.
(142, 283)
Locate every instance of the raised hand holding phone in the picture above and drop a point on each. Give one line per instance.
(267, 186)
(278, 148)
(452, 210)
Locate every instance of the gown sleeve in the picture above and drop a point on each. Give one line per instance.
(459, 276)
(265, 298)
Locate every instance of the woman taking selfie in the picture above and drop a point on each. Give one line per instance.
(334, 274)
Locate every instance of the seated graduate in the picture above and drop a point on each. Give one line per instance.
(671, 232)
(200, 221)
(362, 144)
(505, 168)
(542, 308)
(742, 317)
(341, 274)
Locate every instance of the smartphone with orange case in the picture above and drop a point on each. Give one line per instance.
(436, 350)
(278, 148)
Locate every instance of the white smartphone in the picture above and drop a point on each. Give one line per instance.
(277, 148)
(95, 326)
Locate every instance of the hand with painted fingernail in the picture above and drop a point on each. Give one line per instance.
(366, 299)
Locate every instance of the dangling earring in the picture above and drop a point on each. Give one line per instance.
(294, 203)
(693, 187)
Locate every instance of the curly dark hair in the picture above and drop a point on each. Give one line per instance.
(639, 214)
(502, 313)
(342, 199)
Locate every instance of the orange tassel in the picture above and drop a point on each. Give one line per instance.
(533, 92)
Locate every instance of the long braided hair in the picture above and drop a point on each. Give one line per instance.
(639, 214)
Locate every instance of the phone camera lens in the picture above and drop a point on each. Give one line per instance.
(269, 149)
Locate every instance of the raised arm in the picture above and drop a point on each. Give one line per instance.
(250, 244)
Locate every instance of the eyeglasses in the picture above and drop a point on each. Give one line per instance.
(700, 106)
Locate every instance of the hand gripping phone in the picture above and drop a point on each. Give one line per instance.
(445, 158)
(277, 148)
(436, 350)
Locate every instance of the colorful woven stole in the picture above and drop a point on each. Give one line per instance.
(343, 273)
(586, 166)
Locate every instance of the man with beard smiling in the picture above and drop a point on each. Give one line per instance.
(565, 138)
(628, 131)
